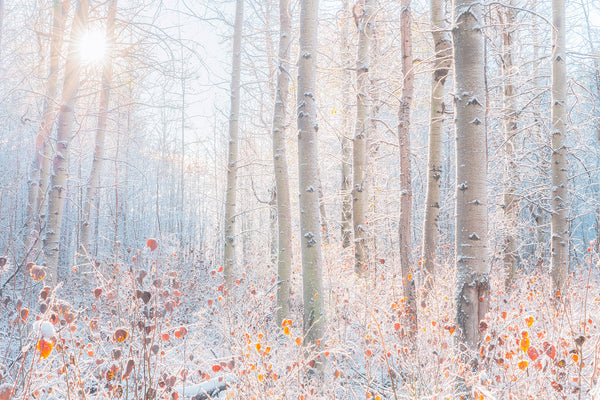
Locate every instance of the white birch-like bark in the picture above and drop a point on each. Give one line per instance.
(234, 115)
(405, 222)
(323, 215)
(58, 182)
(559, 223)
(308, 173)
(509, 126)
(472, 264)
(284, 213)
(362, 15)
(40, 167)
(346, 188)
(94, 179)
(442, 63)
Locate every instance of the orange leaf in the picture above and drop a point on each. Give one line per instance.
(532, 353)
(44, 347)
(525, 344)
(37, 273)
(286, 330)
(216, 367)
(121, 335)
(522, 365)
(152, 243)
(24, 314)
(298, 341)
(529, 321)
(368, 353)
(550, 350)
(128, 369)
(165, 337)
(575, 357)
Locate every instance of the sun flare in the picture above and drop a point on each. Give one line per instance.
(92, 47)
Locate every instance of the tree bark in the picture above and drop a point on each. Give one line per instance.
(472, 264)
(323, 215)
(559, 223)
(284, 214)
(405, 223)
(40, 166)
(58, 183)
(510, 252)
(346, 188)
(362, 15)
(230, 195)
(308, 172)
(94, 179)
(443, 61)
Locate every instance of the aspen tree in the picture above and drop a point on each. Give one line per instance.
(308, 173)
(58, 182)
(362, 15)
(472, 264)
(442, 63)
(509, 126)
(559, 223)
(40, 167)
(232, 158)
(346, 188)
(405, 223)
(94, 179)
(284, 215)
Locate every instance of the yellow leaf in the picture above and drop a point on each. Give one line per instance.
(522, 365)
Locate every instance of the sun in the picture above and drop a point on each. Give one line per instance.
(92, 47)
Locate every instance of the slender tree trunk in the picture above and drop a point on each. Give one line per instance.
(94, 179)
(284, 213)
(509, 124)
(539, 214)
(323, 215)
(346, 227)
(1, 26)
(405, 223)
(308, 172)
(443, 61)
(234, 115)
(559, 223)
(373, 139)
(472, 264)
(58, 183)
(362, 15)
(40, 167)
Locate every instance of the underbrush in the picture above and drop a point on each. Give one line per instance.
(160, 325)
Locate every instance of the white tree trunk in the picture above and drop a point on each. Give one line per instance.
(94, 179)
(362, 15)
(40, 167)
(346, 188)
(284, 214)
(58, 183)
(308, 173)
(509, 125)
(443, 61)
(472, 264)
(405, 223)
(230, 195)
(559, 223)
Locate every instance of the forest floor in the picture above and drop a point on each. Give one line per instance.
(157, 324)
